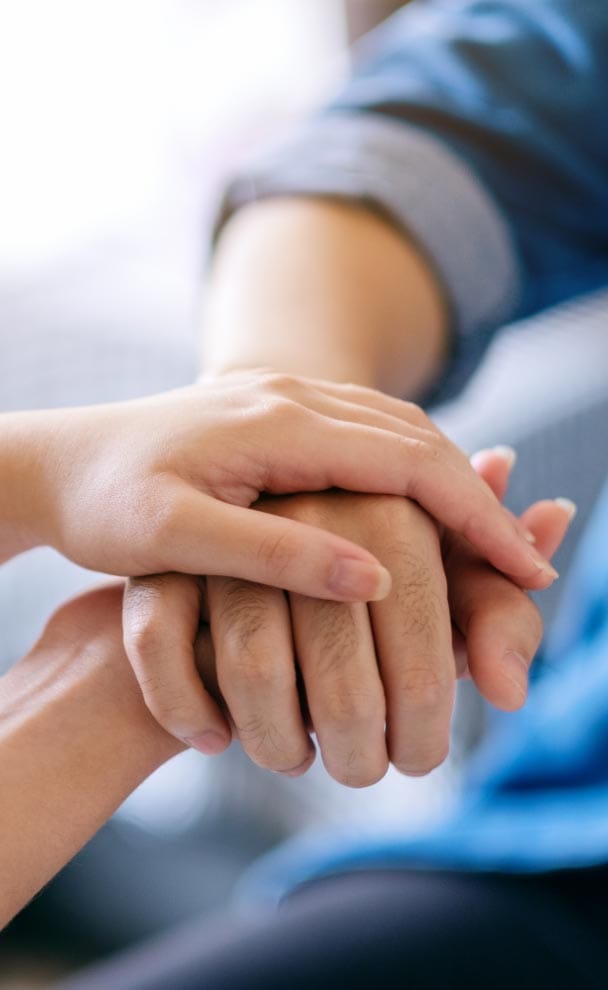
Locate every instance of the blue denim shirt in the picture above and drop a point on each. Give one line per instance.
(481, 128)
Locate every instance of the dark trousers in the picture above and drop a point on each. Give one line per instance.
(389, 929)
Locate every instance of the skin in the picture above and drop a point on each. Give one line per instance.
(166, 482)
(368, 697)
(75, 740)
(361, 305)
(76, 737)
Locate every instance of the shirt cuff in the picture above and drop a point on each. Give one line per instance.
(425, 188)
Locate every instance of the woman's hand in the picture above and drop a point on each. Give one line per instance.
(377, 682)
(165, 483)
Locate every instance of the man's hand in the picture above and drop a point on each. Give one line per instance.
(378, 681)
(497, 627)
(358, 667)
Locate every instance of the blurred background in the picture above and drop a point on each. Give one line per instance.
(120, 120)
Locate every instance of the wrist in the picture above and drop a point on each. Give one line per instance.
(75, 740)
(26, 493)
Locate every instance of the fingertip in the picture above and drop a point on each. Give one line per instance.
(568, 506)
(210, 742)
(305, 766)
(503, 452)
(358, 581)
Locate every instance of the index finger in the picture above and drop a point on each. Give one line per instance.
(376, 453)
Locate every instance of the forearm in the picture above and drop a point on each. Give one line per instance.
(328, 290)
(22, 484)
(75, 740)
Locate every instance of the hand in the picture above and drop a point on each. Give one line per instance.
(378, 681)
(349, 692)
(165, 483)
(497, 628)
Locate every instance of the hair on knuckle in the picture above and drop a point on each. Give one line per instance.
(422, 686)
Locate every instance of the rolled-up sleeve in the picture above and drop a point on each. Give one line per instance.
(481, 129)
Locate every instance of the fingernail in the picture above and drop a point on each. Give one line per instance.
(543, 565)
(508, 454)
(516, 669)
(209, 743)
(530, 537)
(567, 504)
(359, 581)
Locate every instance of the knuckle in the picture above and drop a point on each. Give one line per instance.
(345, 707)
(422, 687)
(280, 382)
(416, 415)
(277, 406)
(252, 671)
(144, 639)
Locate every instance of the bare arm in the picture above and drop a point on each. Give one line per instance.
(75, 740)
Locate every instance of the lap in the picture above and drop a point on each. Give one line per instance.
(389, 929)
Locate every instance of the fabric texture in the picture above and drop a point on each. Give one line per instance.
(481, 128)
(388, 930)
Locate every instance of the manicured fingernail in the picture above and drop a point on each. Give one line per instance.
(356, 580)
(516, 669)
(209, 743)
(506, 453)
(567, 504)
(539, 561)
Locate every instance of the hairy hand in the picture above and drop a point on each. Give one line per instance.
(377, 682)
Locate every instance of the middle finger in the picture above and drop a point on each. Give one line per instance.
(413, 635)
(256, 673)
(345, 697)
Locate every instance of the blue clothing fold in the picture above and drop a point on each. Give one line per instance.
(518, 90)
(536, 796)
(480, 128)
